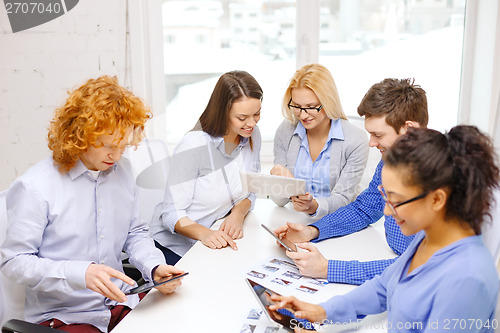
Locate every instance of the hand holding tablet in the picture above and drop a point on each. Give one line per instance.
(285, 242)
(284, 317)
(147, 286)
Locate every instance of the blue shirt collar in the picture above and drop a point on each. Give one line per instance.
(334, 133)
(220, 144)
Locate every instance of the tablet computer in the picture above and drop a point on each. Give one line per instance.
(147, 286)
(290, 246)
(270, 185)
(283, 317)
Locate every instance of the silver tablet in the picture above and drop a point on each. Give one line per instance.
(269, 185)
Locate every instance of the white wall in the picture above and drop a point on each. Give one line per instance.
(38, 66)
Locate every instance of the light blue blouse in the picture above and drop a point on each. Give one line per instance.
(454, 291)
(317, 173)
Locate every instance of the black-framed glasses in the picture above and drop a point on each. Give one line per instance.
(298, 109)
(394, 206)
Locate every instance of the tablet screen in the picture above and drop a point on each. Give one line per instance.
(263, 295)
(284, 317)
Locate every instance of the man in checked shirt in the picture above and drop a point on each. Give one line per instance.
(390, 107)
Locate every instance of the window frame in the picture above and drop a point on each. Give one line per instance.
(480, 79)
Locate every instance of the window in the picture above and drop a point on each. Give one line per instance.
(360, 41)
(255, 36)
(370, 40)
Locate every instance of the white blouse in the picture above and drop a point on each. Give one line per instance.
(203, 184)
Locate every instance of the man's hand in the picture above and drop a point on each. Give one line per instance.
(297, 233)
(310, 263)
(98, 279)
(163, 271)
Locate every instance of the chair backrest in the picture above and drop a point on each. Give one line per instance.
(149, 163)
(373, 156)
(11, 294)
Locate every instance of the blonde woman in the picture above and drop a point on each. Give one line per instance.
(316, 143)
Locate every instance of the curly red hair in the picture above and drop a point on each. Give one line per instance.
(100, 106)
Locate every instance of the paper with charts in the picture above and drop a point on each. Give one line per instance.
(282, 276)
(257, 322)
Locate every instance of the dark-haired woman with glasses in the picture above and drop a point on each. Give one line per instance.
(316, 143)
(440, 188)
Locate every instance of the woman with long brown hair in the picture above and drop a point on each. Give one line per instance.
(204, 183)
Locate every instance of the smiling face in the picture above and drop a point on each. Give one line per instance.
(306, 98)
(382, 135)
(108, 151)
(243, 116)
(413, 216)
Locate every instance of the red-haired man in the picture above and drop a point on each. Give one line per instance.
(71, 215)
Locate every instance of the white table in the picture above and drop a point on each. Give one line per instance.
(214, 296)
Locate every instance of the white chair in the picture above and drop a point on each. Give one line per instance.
(373, 156)
(12, 295)
(149, 162)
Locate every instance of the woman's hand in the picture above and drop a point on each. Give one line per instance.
(280, 170)
(302, 310)
(305, 203)
(233, 225)
(214, 239)
(217, 239)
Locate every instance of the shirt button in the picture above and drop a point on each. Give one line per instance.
(101, 236)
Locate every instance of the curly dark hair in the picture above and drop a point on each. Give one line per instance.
(462, 161)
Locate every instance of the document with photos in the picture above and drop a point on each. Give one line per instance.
(257, 322)
(283, 277)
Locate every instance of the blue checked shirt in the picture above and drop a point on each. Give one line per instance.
(365, 210)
